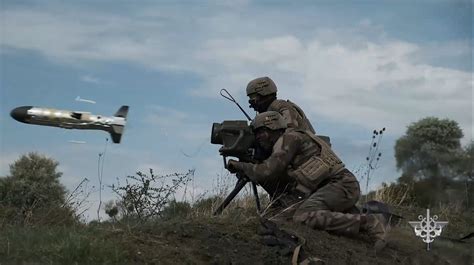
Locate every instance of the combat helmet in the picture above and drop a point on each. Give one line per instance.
(262, 86)
(269, 119)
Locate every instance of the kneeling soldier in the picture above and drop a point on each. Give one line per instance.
(303, 166)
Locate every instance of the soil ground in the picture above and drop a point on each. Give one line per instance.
(237, 237)
(235, 240)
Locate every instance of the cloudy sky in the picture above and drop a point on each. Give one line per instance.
(352, 67)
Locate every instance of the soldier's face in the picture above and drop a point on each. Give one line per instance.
(266, 138)
(253, 101)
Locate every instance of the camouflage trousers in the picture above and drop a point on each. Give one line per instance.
(328, 207)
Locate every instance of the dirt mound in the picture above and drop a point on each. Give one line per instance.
(201, 241)
(236, 240)
(403, 248)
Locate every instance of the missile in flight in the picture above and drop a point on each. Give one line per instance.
(73, 119)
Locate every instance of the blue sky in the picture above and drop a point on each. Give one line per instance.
(353, 67)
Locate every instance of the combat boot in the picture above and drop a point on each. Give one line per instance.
(377, 227)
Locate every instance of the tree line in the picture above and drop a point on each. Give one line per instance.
(434, 164)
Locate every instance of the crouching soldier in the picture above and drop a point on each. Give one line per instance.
(303, 166)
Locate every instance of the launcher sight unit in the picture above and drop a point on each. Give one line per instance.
(236, 137)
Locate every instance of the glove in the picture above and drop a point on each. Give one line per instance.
(231, 166)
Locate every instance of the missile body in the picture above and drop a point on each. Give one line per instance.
(73, 119)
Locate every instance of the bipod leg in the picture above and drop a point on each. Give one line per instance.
(238, 186)
(257, 200)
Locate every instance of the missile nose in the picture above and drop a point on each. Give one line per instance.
(20, 113)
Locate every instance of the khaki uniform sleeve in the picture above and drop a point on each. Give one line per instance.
(283, 153)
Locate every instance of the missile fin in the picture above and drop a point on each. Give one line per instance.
(116, 133)
(122, 112)
(116, 137)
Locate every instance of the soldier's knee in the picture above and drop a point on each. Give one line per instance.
(313, 219)
(313, 205)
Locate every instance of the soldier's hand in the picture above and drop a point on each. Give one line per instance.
(231, 165)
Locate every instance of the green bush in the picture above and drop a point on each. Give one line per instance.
(145, 196)
(176, 209)
(32, 194)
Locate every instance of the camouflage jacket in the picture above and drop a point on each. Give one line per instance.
(291, 150)
(294, 115)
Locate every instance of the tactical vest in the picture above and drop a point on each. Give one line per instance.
(317, 169)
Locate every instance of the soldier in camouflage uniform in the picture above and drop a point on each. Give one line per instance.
(303, 168)
(262, 97)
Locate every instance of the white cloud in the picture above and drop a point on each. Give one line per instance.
(244, 52)
(434, 51)
(358, 86)
(73, 37)
(90, 79)
(337, 74)
(374, 85)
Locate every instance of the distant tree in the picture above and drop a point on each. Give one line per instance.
(433, 162)
(465, 169)
(429, 149)
(32, 188)
(466, 163)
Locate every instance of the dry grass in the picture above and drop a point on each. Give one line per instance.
(395, 195)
